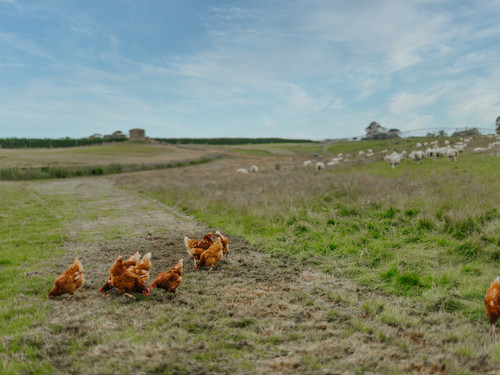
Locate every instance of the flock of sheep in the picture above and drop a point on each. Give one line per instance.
(253, 169)
(432, 151)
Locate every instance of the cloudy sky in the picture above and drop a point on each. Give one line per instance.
(199, 68)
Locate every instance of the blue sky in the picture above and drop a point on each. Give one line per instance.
(293, 69)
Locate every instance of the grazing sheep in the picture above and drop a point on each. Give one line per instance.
(416, 155)
(452, 153)
(320, 165)
(480, 149)
(385, 151)
(459, 147)
(334, 161)
(446, 142)
(254, 169)
(307, 163)
(393, 159)
(440, 152)
(418, 145)
(361, 153)
(242, 171)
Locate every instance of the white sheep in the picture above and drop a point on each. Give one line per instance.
(480, 149)
(439, 152)
(418, 145)
(254, 169)
(416, 155)
(385, 151)
(446, 142)
(452, 153)
(393, 159)
(361, 153)
(242, 171)
(334, 161)
(307, 163)
(320, 165)
(459, 147)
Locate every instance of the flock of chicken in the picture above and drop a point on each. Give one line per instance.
(133, 274)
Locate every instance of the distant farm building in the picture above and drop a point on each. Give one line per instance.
(116, 135)
(137, 134)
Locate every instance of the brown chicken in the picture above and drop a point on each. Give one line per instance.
(170, 280)
(142, 268)
(195, 248)
(126, 281)
(492, 303)
(130, 263)
(69, 281)
(211, 256)
(225, 242)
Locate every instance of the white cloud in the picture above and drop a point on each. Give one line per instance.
(332, 67)
(270, 123)
(404, 102)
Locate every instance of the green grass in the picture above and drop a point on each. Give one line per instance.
(406, 231)
(32, 231)
(48, 172)
(274, 149)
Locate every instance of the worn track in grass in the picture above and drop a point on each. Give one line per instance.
(255, 313)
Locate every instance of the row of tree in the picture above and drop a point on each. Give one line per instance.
(94, 140)
(229, 141)
(377, 131)
(49, 143)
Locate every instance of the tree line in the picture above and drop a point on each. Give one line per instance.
(229, 141)
(49, 143)
(68, 142)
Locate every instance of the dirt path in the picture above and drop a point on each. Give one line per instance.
(255, 313)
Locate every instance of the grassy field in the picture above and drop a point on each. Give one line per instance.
(32, 233)
(124, 153)
(37, 164)
(356, 269)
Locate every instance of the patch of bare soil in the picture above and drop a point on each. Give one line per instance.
(255, 313)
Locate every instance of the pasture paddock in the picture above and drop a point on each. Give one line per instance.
(348, 270)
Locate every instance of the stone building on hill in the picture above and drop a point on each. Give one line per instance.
(137, 134)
